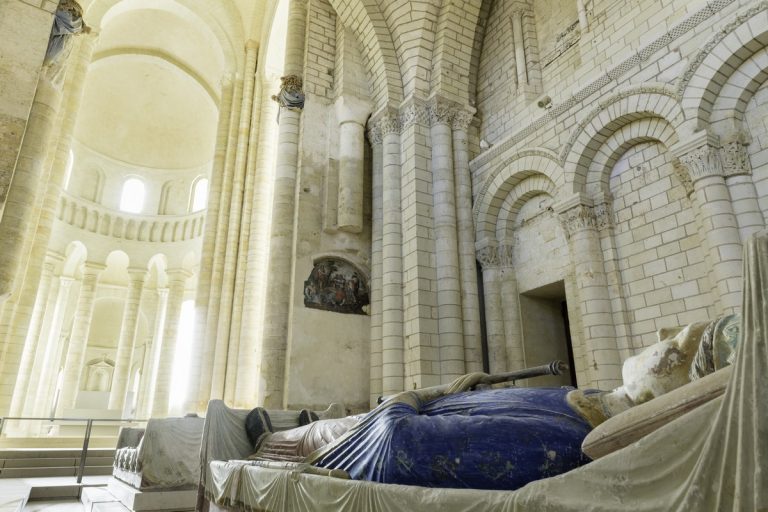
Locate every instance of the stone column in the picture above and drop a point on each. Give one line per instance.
(49, 372)
(517, 34)
(470, 304)
(32, 341)
(419, 292)
(450, 328)
(78, 341)
(26, 29)
(702, 161)
(351, 114)
(393, 370)
(279, 291)
(147, 392)
(377, 236)
(19, 214)
(176, 286)
(510, 306)
(580, 223)
(741, 187)
(127, 339)
(488, 256)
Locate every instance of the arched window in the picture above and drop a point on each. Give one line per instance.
(200, 195)
(132, 198)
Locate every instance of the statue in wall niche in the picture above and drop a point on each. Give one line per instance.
(469, 434)
(335, 285)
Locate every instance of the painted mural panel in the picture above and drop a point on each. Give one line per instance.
(336, 285)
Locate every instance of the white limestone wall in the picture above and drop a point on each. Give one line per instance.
(661, 264)
(328, 356)
(756, 121)
(641, 87)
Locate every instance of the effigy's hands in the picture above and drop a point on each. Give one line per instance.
(466, 382)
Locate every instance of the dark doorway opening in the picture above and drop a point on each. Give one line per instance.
(546, 331)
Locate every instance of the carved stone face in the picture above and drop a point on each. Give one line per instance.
(663, 366)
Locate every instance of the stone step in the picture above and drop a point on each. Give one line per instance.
(49, 462)
(29, 453)
(38, 472)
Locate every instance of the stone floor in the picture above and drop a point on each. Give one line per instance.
(69, 505)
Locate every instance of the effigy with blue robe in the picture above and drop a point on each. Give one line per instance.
(494, 439)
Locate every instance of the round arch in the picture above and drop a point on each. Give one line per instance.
(503, 179)
(612, 114)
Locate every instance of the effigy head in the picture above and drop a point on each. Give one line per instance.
(663, 366)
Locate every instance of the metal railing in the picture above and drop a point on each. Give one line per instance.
(86, 438)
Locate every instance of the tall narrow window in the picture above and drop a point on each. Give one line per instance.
(200, 195)
(132, 199)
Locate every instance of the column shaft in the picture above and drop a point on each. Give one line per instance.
(44, 395)
(127, 340)
(602, 354)
(350, 203)
(149, 381)
(78, 340)
(377, 234)
(392, 262)
(200, 371)
(32, 342)
(19, 213)
(177, 284)
(721, 229)
(517, 34)
(510, 306)
(449, 310)
(494, 319)
(470, 303)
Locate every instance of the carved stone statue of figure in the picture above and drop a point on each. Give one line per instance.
(450, 436)
(67, 22)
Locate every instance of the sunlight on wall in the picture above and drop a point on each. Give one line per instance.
(181, 358)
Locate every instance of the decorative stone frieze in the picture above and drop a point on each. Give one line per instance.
(734, 158)
(291, 95)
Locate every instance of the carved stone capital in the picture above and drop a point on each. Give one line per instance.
(389, 125)
(462, 119)
(440, 113)
(702, 162)
(496, 256)
(582, 218)
(291, 95)
(413, 114)
(488, 257)
(374, 135)
(735, 159)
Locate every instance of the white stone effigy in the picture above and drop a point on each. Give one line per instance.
(708, 459)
